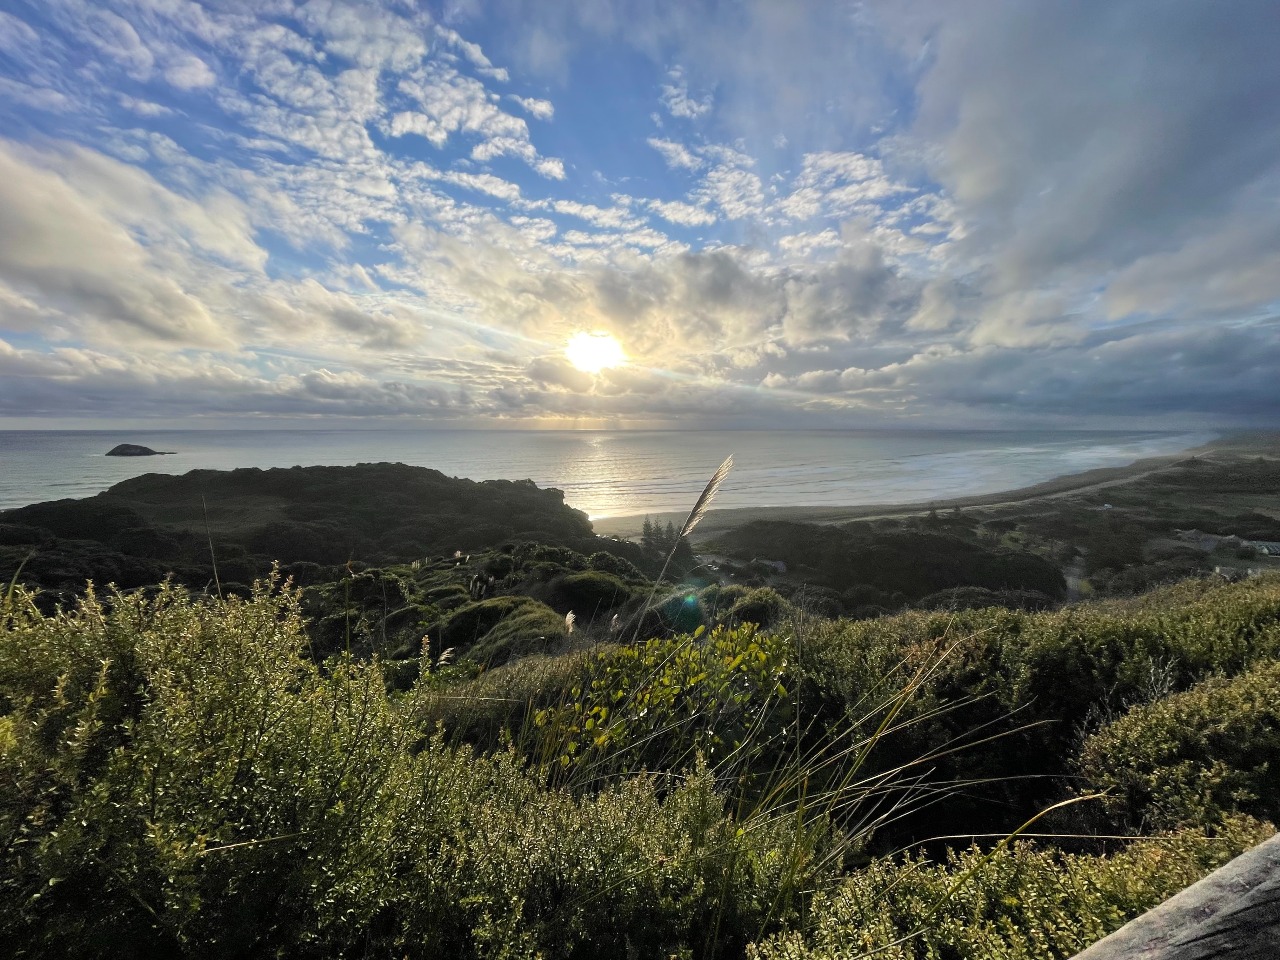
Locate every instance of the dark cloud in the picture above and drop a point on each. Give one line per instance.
(1154, 373)
(558, 372)
(1086, 136)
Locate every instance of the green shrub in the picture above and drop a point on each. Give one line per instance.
(1028, 683)
(588, 594)
(529, 628)
(1195, 756)
(620, 567)
(658, 704)
(469, 624)
(762, 606)
(178, 778)
(1020, 903)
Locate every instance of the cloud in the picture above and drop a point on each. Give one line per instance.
(539, 109)
(367, 34)
(485, 183)
(474, 54)
(938, 306)
(1075, 138)
(145, 108)
(450, 103)
(838, 184)
(117, 39)
(675, 97)
(616, 218)
(558, 372)
(888, 209)
(16, 34)
(189, 72)
(737, 192)
(85, 383)
(37, 98)
(684, 214)
(62, 247)
(676, 155)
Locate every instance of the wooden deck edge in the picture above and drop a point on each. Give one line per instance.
(1234, 912)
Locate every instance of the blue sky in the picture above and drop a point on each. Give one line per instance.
(788, 214)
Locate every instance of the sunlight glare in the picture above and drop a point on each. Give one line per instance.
(593, 352)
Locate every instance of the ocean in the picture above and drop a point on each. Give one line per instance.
(607, 473)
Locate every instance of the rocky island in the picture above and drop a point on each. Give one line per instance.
(136, 450)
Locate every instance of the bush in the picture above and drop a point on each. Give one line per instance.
(588, 594)
(529, 628)
(978, 598)
(1032, 682)
(20, 534)
(658, 704)
(1019, 903)
(179, 779)
(1194, 757)
(618, 566)
(469, 624)
(762, 606)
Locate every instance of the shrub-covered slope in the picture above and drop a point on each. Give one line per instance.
(142, 529)
(185, 776)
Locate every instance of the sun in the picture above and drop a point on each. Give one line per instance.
(593, 352)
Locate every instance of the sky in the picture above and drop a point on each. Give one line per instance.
(817, 213)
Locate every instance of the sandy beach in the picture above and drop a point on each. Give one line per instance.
(1233, 446)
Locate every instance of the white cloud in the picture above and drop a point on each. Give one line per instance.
(474, 55)
(367, 34)
(804, 245)
(559, 372)
(452, 103)
(189, 72)
(1020, 232)
(675, 97)
(145, 108)
(16, 34)
(539, 109)
(60, 248)
(737, 192)
(550, 167)
(485, 183)
(684, 214)
(38, 98)
(675, 154)
(838, 184)
(615, 218)
(116, 37)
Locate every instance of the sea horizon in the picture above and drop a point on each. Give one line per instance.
(610, 473)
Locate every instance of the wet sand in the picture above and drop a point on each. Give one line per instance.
(1234, 446)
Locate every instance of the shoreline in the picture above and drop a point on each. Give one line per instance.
(1227, 447)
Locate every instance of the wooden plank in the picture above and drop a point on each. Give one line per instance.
(1232, 913)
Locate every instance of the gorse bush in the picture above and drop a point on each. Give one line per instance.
(1196, 756)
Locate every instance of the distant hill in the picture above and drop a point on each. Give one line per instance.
(140, 529)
